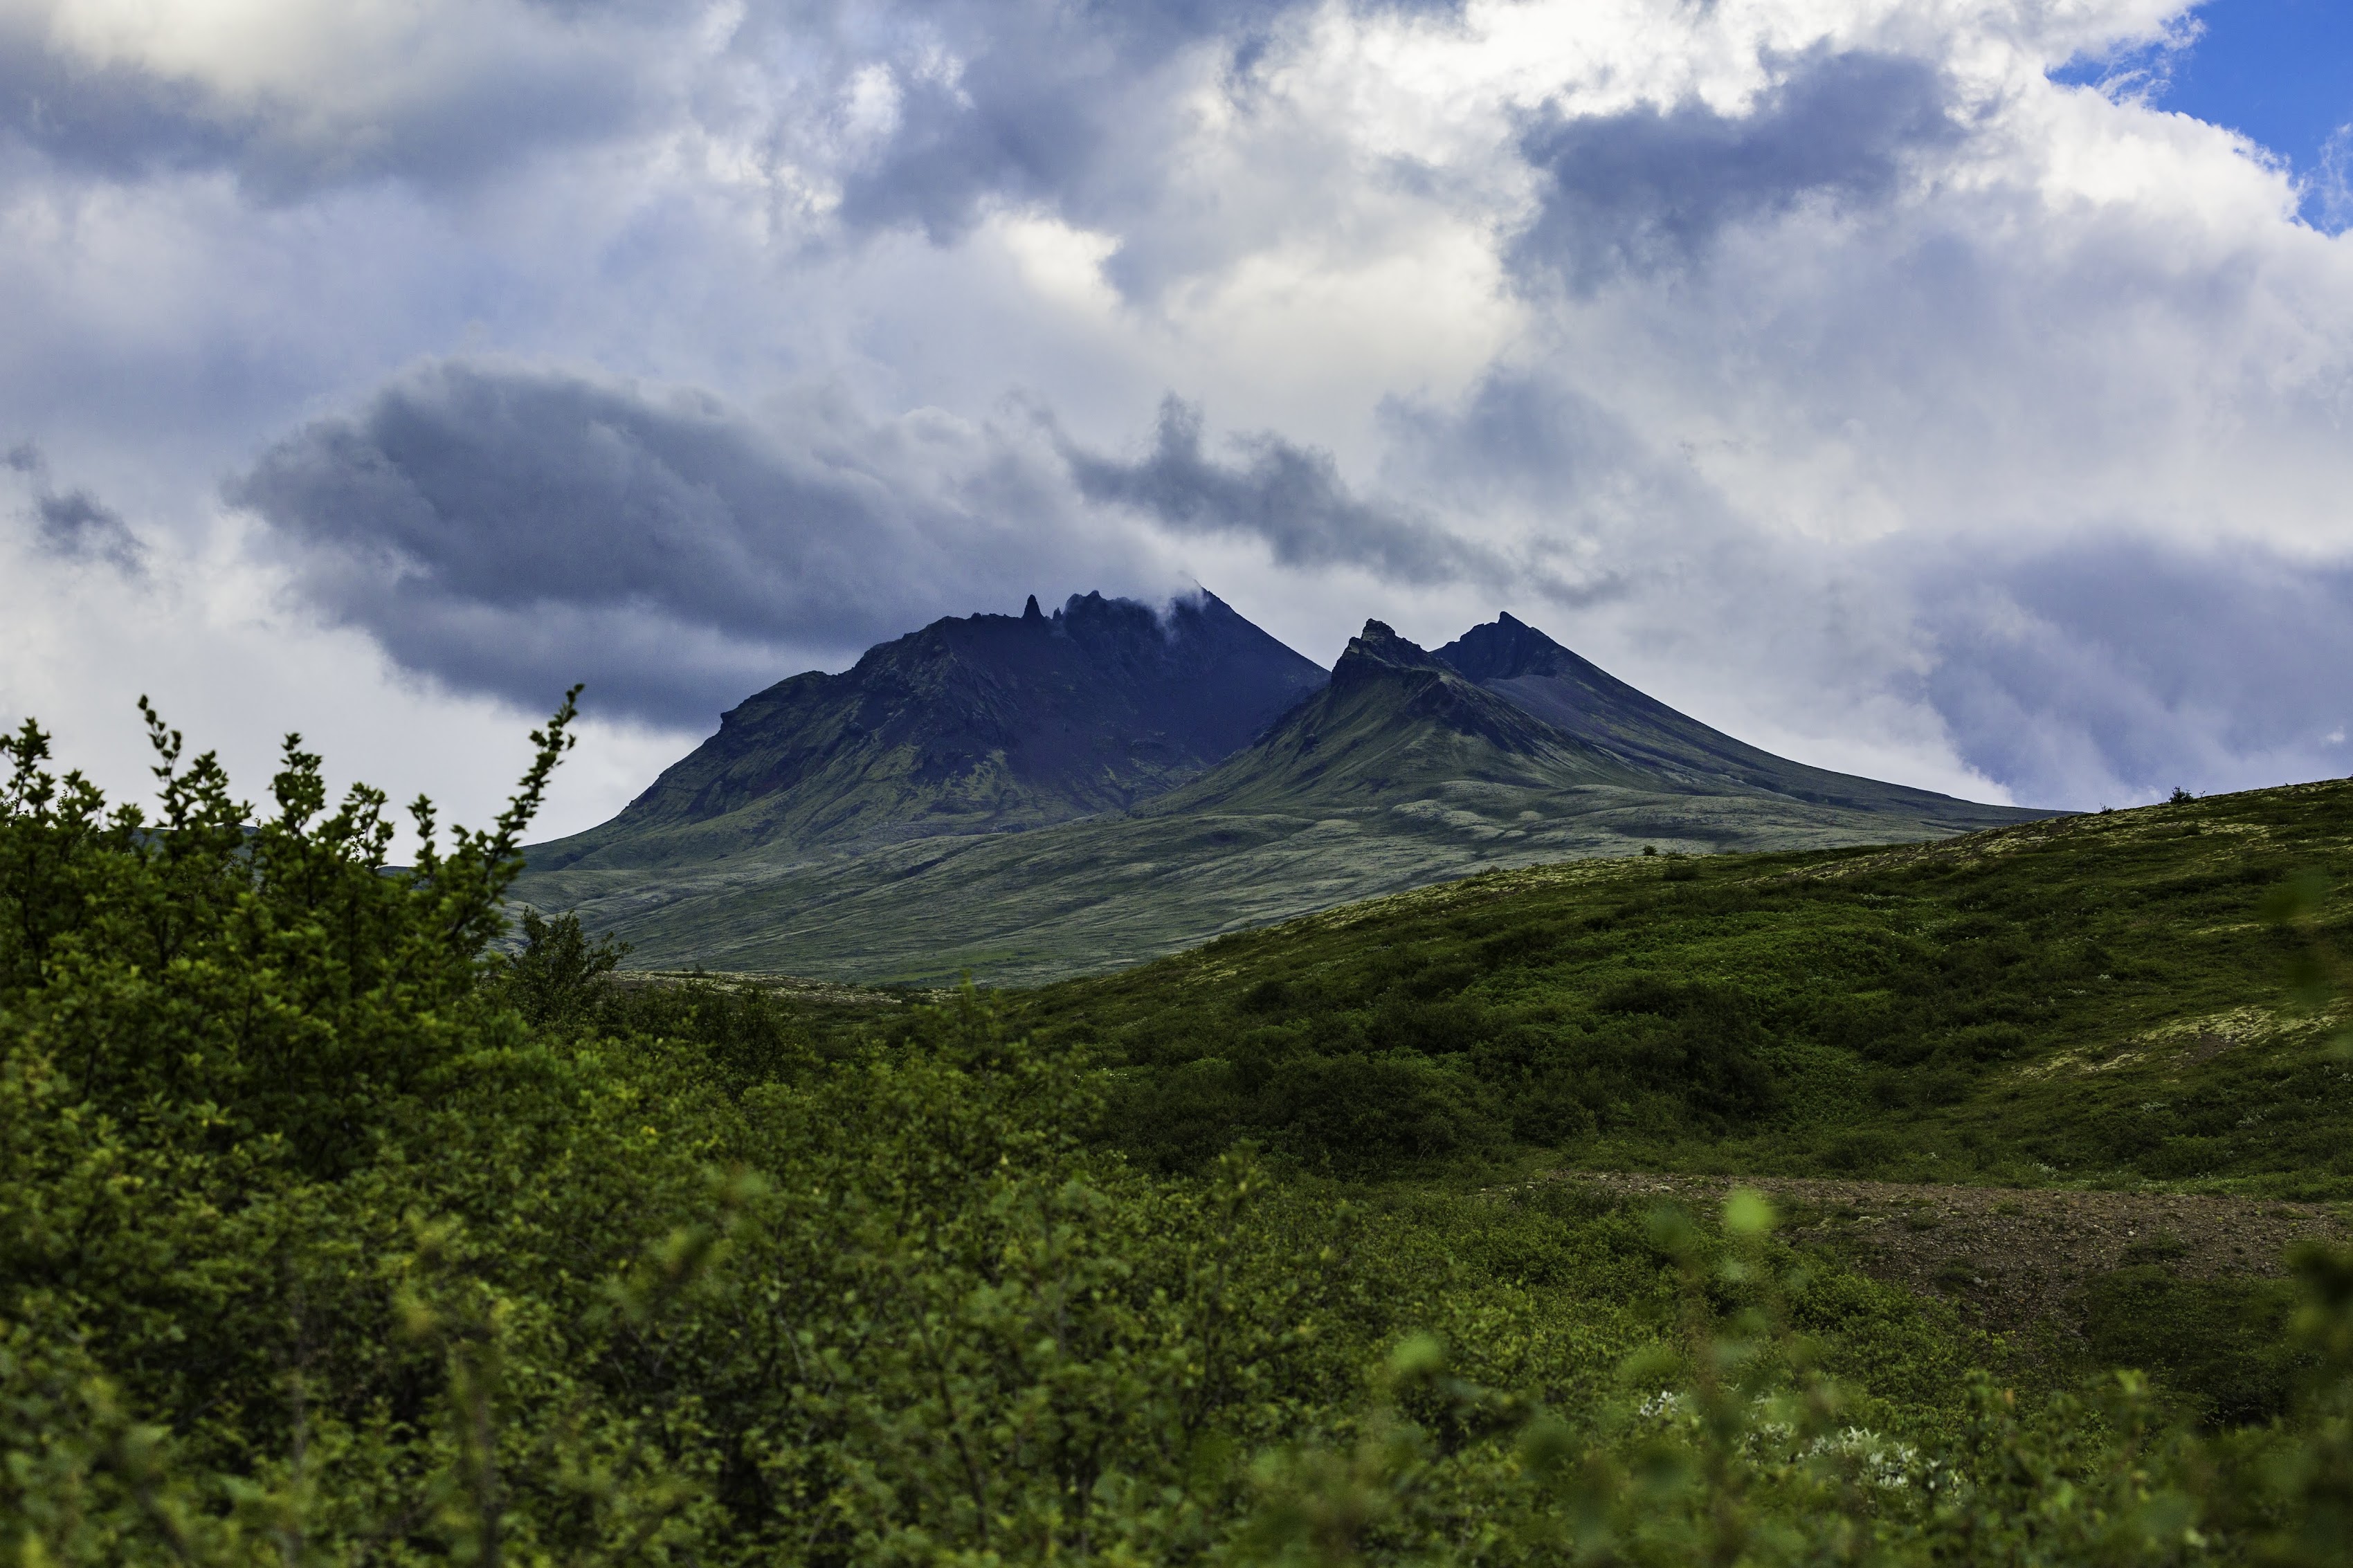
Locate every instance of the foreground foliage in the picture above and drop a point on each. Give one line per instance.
(329, 1234)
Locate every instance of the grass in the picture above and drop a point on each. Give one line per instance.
(2091, 1000)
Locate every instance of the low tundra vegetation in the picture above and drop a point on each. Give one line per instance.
(332, 1231)
(2093, 999)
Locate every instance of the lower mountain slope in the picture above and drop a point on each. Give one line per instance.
(980, 724)
(1397, 773)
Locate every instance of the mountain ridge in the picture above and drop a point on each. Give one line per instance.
(1393, 710)
(1519, 663)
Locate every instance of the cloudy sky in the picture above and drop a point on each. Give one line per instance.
(1956, 391)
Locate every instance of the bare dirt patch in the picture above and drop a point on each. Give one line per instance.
(2013, 1260)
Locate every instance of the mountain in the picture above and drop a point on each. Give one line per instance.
(1394, 718)
(1398, 772)
(982, 724)
(1517, 662)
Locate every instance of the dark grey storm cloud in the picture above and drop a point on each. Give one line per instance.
(1289, 497)
(511, 530)
(75, 525)
(1652, 188)
(2145, 666)
(107, 119)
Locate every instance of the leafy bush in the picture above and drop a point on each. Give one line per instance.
(2220, 1344)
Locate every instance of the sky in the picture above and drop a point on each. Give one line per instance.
(1951, 391)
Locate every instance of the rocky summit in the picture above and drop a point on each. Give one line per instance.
(1395, 723)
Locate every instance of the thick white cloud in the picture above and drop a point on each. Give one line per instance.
(1819, 364)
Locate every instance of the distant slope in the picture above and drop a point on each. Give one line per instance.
(1398, 772)
(1515, 660)
(981, 724)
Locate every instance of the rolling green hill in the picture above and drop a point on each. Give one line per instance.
(2092, 998)
(1397, 773)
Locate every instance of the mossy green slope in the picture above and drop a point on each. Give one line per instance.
(2084, 999)
(1398, 773)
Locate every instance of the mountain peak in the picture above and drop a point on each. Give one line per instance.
(1503, 649)
(1397, 726)
(1031, 612)
(1380, 646)
(1517, 662)
(1222, 789)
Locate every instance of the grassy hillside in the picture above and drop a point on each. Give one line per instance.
(2084, 999)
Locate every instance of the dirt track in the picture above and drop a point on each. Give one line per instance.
(2009, 1257)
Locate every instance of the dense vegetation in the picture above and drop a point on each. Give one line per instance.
(331, 1233)
(2091, 998)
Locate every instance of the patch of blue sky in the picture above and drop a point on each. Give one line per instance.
(2278, 71)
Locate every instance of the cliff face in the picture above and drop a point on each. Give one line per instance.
(977, 724)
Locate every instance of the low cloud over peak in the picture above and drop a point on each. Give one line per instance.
(1288, 496)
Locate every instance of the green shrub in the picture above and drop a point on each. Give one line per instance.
(2219, 1344)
